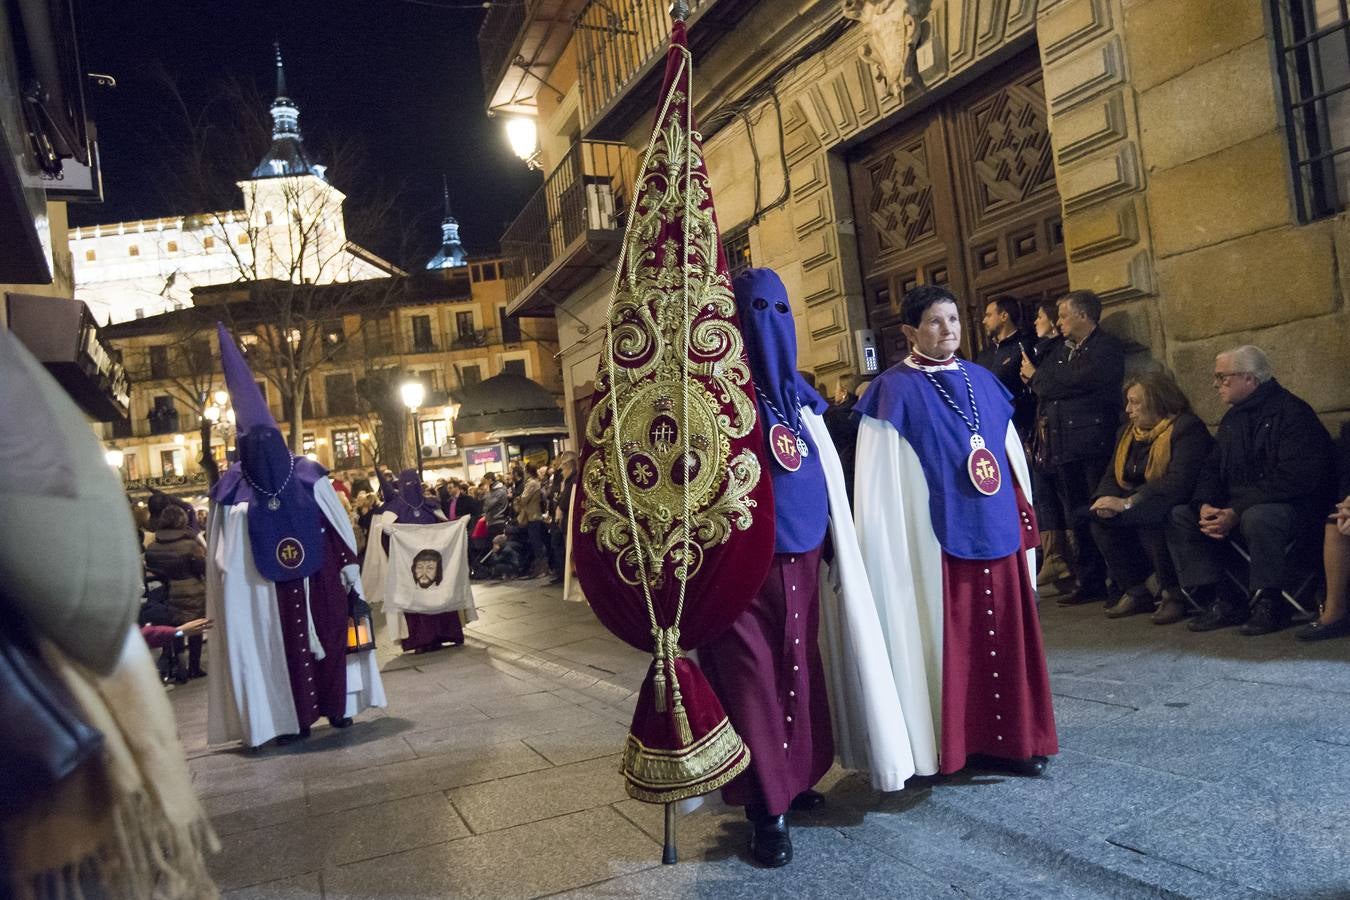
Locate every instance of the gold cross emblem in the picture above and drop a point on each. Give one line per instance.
(787, 446)
(985, 470)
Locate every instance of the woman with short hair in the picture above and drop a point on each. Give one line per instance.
(1158, 457)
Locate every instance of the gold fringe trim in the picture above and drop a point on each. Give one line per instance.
(663, 776)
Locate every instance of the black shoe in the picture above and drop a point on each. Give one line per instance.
(1267, 614)
(340, 721)
(1083, 595)
(284, 739)
(807, 801)
(198, 672)
(770, 844)
(1316, 631)
(1219, 615)
(1030, 767)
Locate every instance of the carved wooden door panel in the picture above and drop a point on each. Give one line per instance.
(909, 234)
(1011, 219)
(962, 195)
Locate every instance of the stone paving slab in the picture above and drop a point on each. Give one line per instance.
(533, 860)
(520, 799)
(1185, 773)
(409, 778)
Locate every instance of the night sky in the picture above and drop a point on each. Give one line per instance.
(400, 77)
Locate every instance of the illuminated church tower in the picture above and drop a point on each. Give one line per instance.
(451, 255)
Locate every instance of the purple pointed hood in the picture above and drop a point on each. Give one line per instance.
(250, 408)
(409, 504)
(284, 519)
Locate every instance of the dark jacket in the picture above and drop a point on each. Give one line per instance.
(497, 506)
(1191, 446)
(1045, 348)
(1271, 448)
(1078, 397)
(1004, 359)
(1343, 461)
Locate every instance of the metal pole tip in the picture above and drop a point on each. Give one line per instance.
(679, 10)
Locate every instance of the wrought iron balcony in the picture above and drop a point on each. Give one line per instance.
(570, 228)
(620, 48)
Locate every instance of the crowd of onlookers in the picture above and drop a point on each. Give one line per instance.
(1141, 506)
(517, 519)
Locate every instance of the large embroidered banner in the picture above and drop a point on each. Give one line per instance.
(674, 531)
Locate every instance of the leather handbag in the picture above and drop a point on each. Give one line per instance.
(42, 737)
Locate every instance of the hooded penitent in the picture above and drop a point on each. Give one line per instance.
(405, 499)
(801, 514)
(283, 516)
(673, 531)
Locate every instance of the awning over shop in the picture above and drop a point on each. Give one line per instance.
(64, 337)
(509, 404)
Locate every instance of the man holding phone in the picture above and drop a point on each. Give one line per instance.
(1266, 482)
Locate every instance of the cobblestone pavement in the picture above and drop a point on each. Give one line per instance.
(1191, 766)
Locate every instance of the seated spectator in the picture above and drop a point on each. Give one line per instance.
(1266, 481)
(179, 556)
(1158, 458)
(1334, 622)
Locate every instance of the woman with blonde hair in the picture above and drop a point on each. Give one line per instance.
(1157, 460)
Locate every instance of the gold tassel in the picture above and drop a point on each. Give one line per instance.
(659, 686)
(682, 721)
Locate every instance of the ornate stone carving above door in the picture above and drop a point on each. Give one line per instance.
(895, 29)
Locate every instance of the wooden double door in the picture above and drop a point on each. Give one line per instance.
(962, 195)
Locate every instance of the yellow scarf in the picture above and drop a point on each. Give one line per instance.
(1159, 439)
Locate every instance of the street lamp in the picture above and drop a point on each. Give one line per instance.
(222, 398)
(523, 136)
(115, 458)
(413, 393)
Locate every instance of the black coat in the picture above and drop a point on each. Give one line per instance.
(1343, 461)
(1191, 446)
(1271, 448)
(1004, 359)
(1078, 399)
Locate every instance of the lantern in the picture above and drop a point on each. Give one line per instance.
(360, 633)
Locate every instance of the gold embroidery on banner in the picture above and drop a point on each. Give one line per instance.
(664, 776)
(658, 414)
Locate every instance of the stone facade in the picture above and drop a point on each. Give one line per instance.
(1169, 157)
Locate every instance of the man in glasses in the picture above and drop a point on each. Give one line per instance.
(1265, 483)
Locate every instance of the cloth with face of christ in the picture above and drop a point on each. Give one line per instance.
(428, 570)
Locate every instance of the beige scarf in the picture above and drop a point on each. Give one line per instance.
(128, 825)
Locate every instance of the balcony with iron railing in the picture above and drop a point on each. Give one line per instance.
(620, 48)
(570, 228)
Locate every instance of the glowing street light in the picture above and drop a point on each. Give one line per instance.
(413, 393)
(115, 458)
(221, 397)
(524, 138)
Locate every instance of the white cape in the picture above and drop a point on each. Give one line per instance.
(249, 688)
(869, 728)
(904, 565)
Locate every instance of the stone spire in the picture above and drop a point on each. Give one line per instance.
(451, 254)
(287, 155)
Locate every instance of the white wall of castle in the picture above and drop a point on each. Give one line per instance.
(129, 270)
